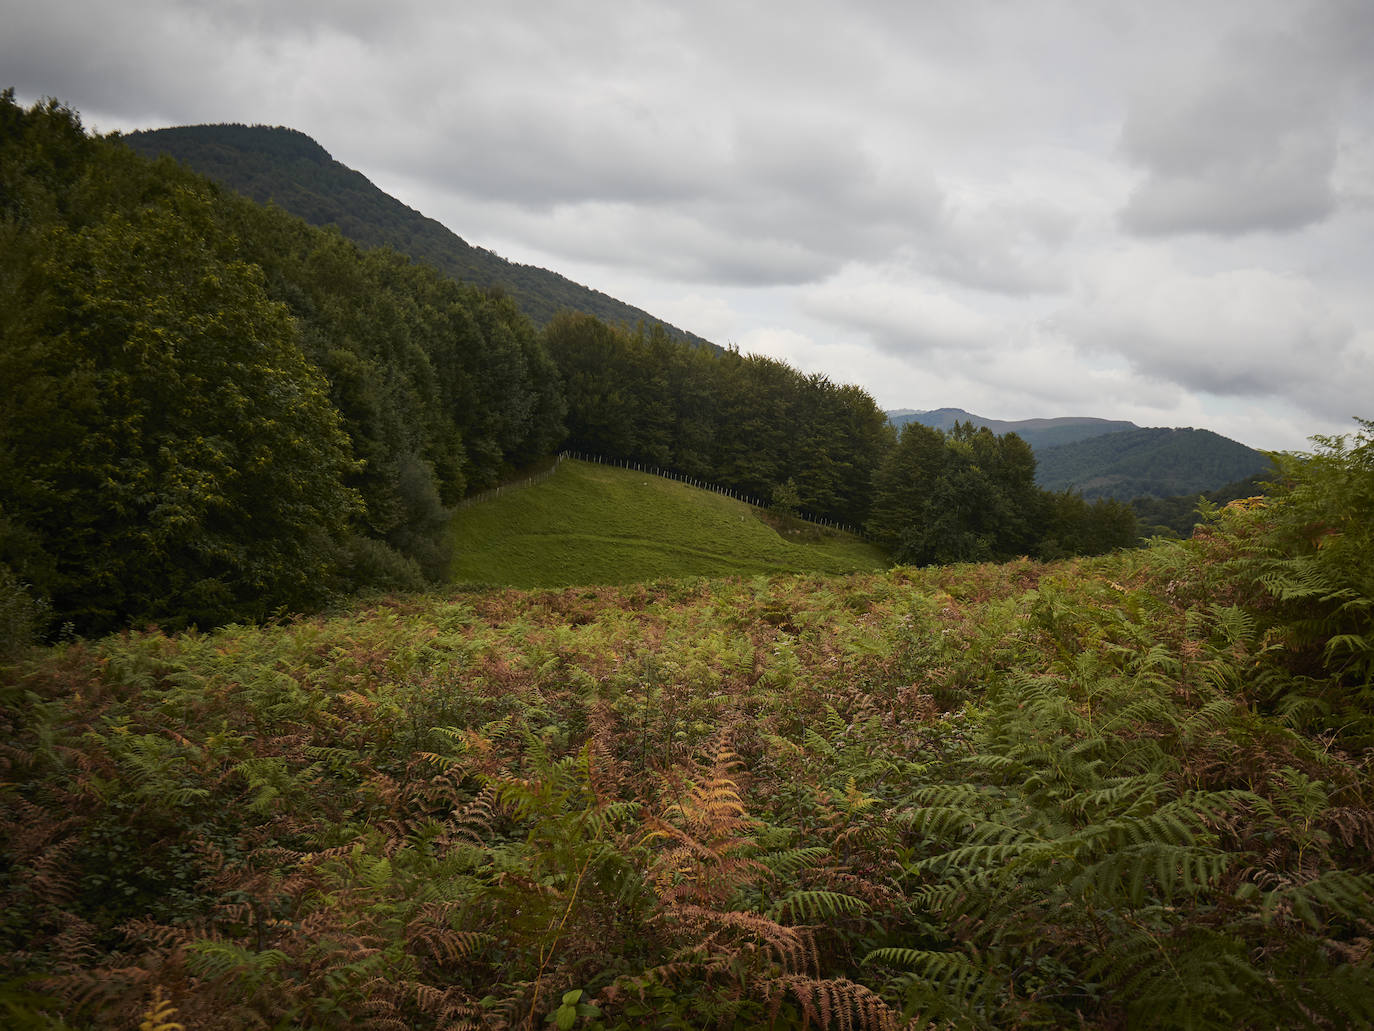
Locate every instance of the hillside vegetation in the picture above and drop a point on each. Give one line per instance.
(216, 412)
(1131, 791)
(1177, 517)
(598, 524)
(289, 169)
(1159, 463)
(213, 411)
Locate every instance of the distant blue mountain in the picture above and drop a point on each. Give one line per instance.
(1111, 458)
(1038, 433)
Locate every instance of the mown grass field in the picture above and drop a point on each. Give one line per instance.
(594, 524)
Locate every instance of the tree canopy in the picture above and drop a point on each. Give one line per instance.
(211, 410)
(743, 421)
(969, 495)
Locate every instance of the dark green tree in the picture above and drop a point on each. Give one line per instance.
(965, 496)
(166, 451)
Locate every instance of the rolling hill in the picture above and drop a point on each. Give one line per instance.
(289, 169)
(1159, 463)
(1112, 458)
(597, 524)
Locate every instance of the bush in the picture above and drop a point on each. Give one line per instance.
(22, 616)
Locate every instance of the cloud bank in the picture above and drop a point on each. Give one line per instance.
(1152, 212)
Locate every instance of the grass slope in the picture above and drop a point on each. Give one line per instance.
(594, 524)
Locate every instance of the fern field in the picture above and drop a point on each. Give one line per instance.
(1126, 792)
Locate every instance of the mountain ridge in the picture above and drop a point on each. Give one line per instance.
(1038, 433)
(288, 168)
(1113, 458)
(1153, 462)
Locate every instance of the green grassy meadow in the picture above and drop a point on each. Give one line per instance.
(594, 524)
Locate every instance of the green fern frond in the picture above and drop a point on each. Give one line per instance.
(816, 905)
(787, 862)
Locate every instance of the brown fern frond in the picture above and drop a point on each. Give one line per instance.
(1354, 825)
(793, 948)
(840, 1003)
(473, 821)
(431, 933)
(160, 938)
(452, 1008)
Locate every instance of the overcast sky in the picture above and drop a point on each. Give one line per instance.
(1159, 211)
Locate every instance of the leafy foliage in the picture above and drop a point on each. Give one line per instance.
(157, 406)
(212, 411)
(1024, 795)
(970, 496)
(743, 421)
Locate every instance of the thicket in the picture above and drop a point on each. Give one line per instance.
(741, 421)
(1131, 791)
(969, 495)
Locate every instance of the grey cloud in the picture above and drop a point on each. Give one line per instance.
(765, 200)
(1232, 158)
(903, 314)
(921, 180)
(1244, 136)
(1246, 333)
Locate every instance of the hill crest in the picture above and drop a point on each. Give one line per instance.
(286, 167)
(1038, 433)
(1157, 462)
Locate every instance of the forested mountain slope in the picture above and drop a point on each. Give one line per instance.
(212, 410)
(215, 411)
(1157, 463)
(290, 169)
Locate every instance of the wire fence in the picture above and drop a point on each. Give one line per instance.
(654, 470)
(528, 481)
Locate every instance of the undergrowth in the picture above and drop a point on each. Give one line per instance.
(1132, 791)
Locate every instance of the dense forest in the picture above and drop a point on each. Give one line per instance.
(969, 495)
(1159, 463)
(746, 422)
(214, 411)
(287, 168)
